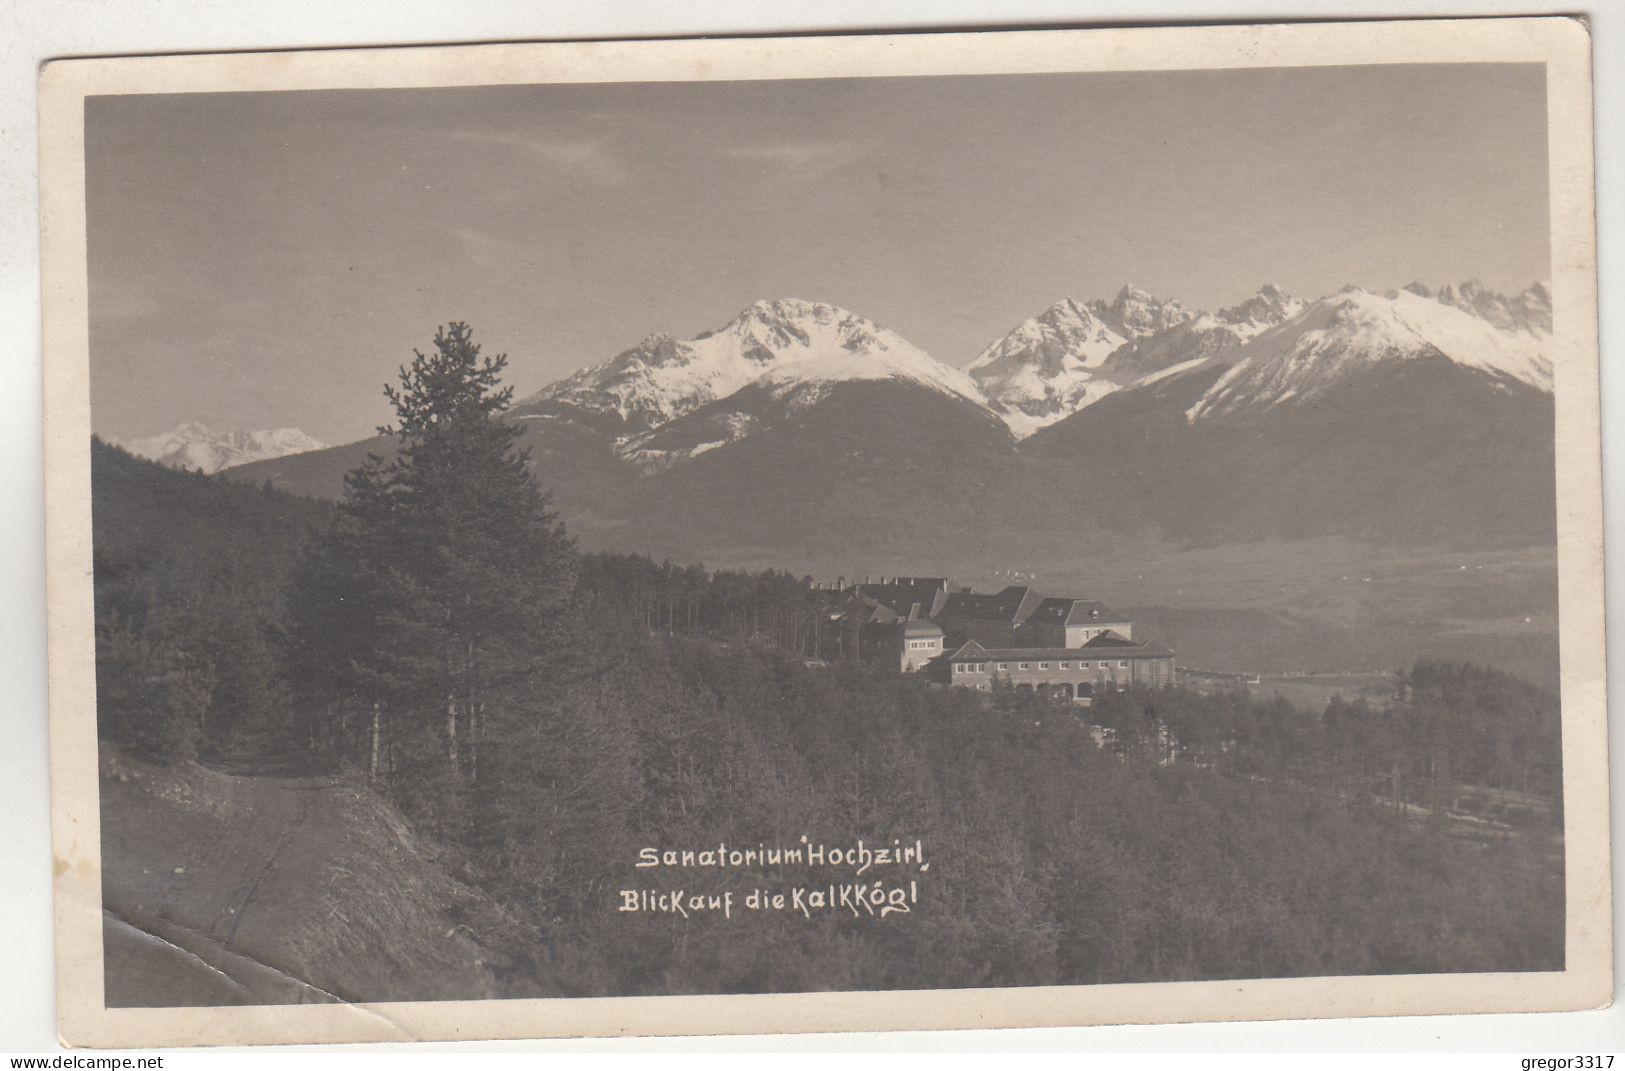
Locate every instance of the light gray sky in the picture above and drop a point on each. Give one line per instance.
(265, 260)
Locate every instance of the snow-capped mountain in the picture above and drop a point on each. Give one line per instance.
(1529, 312)
(787, 347)
(1071, 356)
(198, 446)
(1401, 417)
(1340, 336)
(1046, 368)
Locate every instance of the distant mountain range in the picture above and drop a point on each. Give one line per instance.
(198, 446)
(802, 430)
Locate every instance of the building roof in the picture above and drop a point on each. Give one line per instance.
(975, 652)
(1063, 611)
(907, 596)
(1012, 605)
(866, 614)
(1109, 639)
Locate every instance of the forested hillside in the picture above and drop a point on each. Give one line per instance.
(192, 573)
(536, 717)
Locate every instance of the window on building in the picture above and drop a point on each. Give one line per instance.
(1043, 665)
(1024, 665)
(1004, 665)
(1066, 665)
(1123, 664)
(959, 667)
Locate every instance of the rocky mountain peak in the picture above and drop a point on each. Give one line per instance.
(1269, 306)
(1135, 312)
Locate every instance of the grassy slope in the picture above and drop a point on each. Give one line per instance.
(227, 889)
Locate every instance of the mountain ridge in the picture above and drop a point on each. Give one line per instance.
(784, 345)
(194, 445)
(843, 434)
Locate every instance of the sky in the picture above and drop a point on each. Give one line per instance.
(265, 260)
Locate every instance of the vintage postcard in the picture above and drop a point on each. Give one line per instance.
(828, 533)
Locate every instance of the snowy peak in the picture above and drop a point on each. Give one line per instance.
(1270, 306)
(1529, 312)
(1340, 336)
(784, 345)
(1044, 369)
(1067, 334)
(1054, 364)
(1134, 313)
(198, 446)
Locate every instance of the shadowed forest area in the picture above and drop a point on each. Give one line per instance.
(524, 717)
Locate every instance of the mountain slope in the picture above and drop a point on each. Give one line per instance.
(868, 468)
(1341, 336)
(1386, 418)
(1201, 337)
(1529, 312)
(228, 889)
(573, 459)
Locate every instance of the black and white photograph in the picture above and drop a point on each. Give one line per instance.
(989, 514)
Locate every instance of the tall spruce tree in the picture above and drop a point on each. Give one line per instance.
(441, 590)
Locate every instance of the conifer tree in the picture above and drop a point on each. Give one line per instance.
(443, 584)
